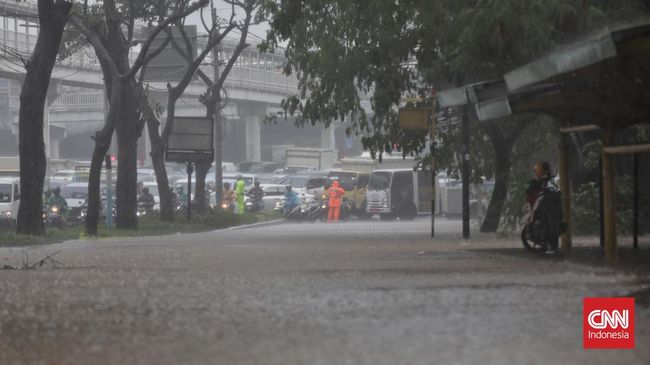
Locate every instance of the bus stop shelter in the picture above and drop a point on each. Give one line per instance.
(602, 82)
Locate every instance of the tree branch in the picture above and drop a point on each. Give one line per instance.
(96, 42)
(145, 46)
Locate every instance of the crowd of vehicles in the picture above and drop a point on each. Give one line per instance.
(399, 193)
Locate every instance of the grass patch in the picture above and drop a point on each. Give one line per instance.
(147, 226)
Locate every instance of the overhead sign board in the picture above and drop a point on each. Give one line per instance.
(191, 140)
(414, 118)
(169, 64)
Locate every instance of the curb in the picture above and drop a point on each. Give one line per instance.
(253, 225)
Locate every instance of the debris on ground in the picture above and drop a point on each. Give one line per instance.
(48, 259)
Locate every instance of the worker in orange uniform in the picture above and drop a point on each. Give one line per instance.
(335, 194)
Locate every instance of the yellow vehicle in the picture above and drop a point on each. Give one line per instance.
(355, 185)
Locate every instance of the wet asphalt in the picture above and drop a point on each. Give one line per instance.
(361, 292)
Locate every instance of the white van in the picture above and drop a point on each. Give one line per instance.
(9, 198)
(399, 193)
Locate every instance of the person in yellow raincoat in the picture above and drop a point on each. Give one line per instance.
(240, 190)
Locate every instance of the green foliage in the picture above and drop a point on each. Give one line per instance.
(585, 212)
(539, 141)
(585, 208)
(343, 50)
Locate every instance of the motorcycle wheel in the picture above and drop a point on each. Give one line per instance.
(529, 243)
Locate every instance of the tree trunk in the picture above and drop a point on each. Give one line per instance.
(102, 144)
(127, 177)
(199, 196)
(158, 145)
(158, 160)
(502, 145)
(53, 16)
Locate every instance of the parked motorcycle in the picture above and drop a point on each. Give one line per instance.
(309, 210)
(292, 214)
(542, 219)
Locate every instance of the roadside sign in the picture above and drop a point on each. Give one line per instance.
(191, 140)
(414, 118)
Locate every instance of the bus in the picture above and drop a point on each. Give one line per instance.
(399, 193)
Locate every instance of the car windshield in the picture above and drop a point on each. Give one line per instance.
(379, 180)
(5, 193)
(74, 192)
(62, 175)
(295, 182)
(145, 175)
(153, 189)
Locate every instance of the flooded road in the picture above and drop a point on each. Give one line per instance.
(361, 292)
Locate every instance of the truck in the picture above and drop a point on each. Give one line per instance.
(314, 158)
(9, 166)
(365, 162)
(399, 193)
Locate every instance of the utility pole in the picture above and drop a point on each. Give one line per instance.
(465, 172)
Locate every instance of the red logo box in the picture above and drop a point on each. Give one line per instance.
(608, 323)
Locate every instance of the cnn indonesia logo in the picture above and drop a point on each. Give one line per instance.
(608, 323)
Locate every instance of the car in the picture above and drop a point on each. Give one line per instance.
(60, 178)
(249, 166)
(9, 201)
(76, 195)
(273, 193)
(146, 175)
(249, 179)
(312, 183)
(175, 172)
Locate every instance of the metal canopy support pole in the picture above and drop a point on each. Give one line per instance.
(432, 135)
(465, 168)
(190, 170)
(601, 205)
(565, 188)
(635, 212)
(609, 197)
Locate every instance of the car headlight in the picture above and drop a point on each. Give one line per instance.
(7, 213)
